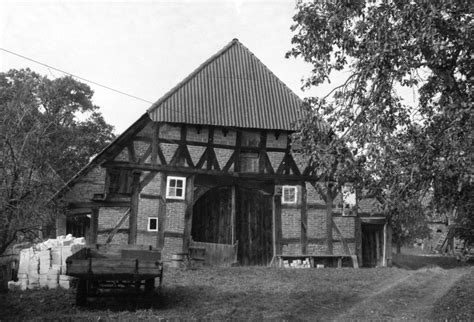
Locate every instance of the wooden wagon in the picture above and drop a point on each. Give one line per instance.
(108, 270)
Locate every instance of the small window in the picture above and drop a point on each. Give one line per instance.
(288, 194)
(175, 187)
(152, 224)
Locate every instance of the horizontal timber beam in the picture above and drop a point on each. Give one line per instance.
(73, 205)
(169, 168)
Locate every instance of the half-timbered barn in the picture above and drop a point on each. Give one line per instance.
(209, 169)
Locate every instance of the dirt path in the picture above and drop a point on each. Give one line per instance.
(411, 297)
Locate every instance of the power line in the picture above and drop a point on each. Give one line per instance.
(78, 77)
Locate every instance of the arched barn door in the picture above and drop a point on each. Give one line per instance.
(212, 222)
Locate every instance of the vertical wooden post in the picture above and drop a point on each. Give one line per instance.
(162, 212)
(232, 214)
(238, 144)
(304, 219)
(384, 250)
(377, 246)
(132, 233)
(262, 151)
(329, 201)
(188, 216)
(94, 226)
(274, 226)
(154, 144)
(278, 232)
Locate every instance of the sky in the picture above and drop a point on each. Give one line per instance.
(144, 48)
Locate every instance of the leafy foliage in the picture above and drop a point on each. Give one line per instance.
(43, 143)
(401, 151)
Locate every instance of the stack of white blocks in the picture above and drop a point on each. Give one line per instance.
(44, 264)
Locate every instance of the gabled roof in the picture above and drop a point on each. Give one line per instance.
(232, 88)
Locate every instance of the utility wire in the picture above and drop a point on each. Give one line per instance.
(78, 77)
(109, 88)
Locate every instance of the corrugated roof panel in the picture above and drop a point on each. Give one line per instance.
(232, 88)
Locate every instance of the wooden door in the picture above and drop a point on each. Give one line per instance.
(212, 222)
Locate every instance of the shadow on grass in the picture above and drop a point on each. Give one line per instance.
(414, 262)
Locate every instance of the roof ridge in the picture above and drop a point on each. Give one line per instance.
(193, 73)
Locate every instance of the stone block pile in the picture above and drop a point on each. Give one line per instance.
(44, 265)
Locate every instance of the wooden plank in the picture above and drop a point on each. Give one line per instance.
(218, 254)
(132, 235)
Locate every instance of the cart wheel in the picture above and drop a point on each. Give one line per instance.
(149, 285)
(81, 293)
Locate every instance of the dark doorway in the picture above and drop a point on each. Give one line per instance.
(212, 222)
(372, 245)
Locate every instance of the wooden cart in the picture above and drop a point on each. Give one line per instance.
(108, 270)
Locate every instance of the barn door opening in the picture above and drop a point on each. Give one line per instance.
(246, 220)
(372, 245)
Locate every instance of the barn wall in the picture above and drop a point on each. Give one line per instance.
(86, 186)
(302, 225)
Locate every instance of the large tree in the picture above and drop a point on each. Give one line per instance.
(49, 129)
(406, 151)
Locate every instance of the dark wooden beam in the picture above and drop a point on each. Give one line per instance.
(188, 215)
(221, 146)
(155, 143)
(132, 235)
(74, 205)
(304, 219)
(142, 138)
(131, 152)
(238, 146)
(146, 155)
(262, 152)
(162, 213)
(278, 228)
(147, 179)
(184, 170)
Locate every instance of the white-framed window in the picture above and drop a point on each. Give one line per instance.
(175, 187)
(152, 224)
(289, 194)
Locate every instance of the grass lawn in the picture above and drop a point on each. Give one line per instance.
(252, 293)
